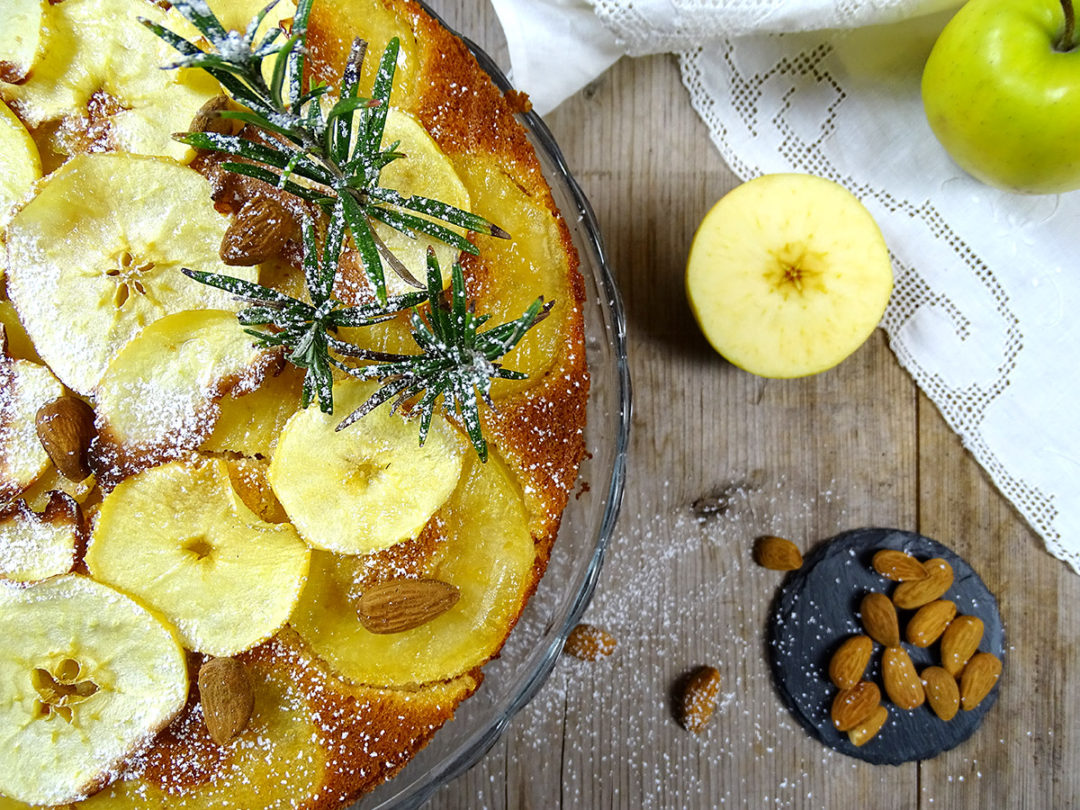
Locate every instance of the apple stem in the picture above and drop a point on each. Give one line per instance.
(1068, 36)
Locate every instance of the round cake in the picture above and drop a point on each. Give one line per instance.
(292, 396)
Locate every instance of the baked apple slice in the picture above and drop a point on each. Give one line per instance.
(179, 538)
(484, 550)
(95, 257)
(24, 387)
(20, 164)
(159, 396)
(38, 545)
(105, 100)
(368, 486)
(20, 38)
(87, 676)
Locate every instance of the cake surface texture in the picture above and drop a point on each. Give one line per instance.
(216, 590)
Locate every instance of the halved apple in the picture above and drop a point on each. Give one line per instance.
(788, 274)
(159, 396)
(368, 486)
(485, 551)
(181, 540)
(87, 676)
(95, 257)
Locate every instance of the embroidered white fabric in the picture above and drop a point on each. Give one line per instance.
(982, 311)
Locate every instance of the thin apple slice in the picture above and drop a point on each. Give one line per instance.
(179, 538)
(788, 275)
(87, 677)
(38, 545)
(20, 38)
(95, 257)
(24, 387)
(159, 396)
(104, 100)
(20, 164)
(251, 421)
(368, 486)
(484, 549)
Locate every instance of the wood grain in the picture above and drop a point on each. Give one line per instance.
(855, 446)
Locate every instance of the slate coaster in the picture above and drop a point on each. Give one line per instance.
(816, 610)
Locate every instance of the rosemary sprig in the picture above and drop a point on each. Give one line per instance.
(332, 159)
(458, 362)
(306, 330)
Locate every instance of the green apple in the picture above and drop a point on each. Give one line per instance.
(1001, 90)
(788, 274)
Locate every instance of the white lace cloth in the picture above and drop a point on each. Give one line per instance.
(987, 285)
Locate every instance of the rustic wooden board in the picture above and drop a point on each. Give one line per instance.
(855, 446)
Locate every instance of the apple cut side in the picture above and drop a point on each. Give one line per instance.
(788, 275)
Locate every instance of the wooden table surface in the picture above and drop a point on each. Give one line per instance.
(857, 446)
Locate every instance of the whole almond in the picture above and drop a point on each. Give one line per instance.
(589, 643)
(879, 619)
(777, 553)
(959, 642)
(65, 427)
(869, 727)
(898, 565)
(852, 707)
(402, 604)
(942, 693)
(699, 697)
(848, 663)
(226, 696)
(929, 622)
(259, 232)
(902, 682)
(978, 678)
(207, 119)
(916, 593)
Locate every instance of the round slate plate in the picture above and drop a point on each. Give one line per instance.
(817, 608)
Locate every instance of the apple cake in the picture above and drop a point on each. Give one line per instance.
(291, 402)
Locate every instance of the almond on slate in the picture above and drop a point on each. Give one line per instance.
(589, 643)
(226, 696)
(879, 619)
(942, 693)
(402, 604)
(978, 678)
(916, 593)
(848, 663)
(959, 642)
(902, 682)
(65, 427)
(929, 622)
(777, 553)
(898, 565)
(259, 232)
(852, 707)
(869, 727)
(699, 697)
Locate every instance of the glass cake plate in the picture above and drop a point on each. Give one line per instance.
(529, 656)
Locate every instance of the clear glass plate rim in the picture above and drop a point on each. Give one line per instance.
(478, 744)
